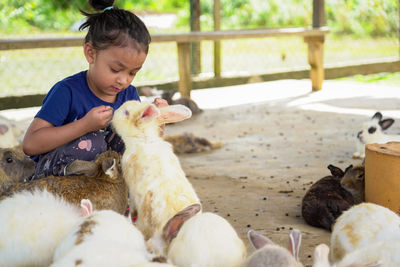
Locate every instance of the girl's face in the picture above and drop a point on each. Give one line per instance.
(112, 70)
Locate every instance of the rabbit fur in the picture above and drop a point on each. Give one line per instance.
(268, 254)
(9, 133)
(326, 199)
(103, 238)
(372, 132)
(361, 225)
(33, 223)
(189, 143)
(158, 187)
(101, 182)
(379, 254)
(15, 166)
(192, 238)
(354, 181)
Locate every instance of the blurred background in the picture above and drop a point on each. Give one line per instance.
(360, 31)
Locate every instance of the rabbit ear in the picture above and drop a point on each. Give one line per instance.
(294, 243)
(377, 116)
(386, 123)
(149, 113)
(335, 171)
(174, 113)
(348, 168)
(3, 128)
(173, 226)
(258, 240)
(87, 207)
(321, 256)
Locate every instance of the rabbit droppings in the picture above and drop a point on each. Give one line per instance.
(104, 238)
(33, 223)
(372, 132)
(15, 166)
(158, 187)
(101, 182)
(326, 199)
(268, 254)
(361, 225)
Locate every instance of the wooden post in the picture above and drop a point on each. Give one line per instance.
(316, 46)
(318, 19)
(217, 44)
(195, 26)
(185, 82)
(315, 59)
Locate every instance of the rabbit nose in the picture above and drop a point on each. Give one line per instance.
(359, 134)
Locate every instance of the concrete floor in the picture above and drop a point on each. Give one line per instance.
(278, 137)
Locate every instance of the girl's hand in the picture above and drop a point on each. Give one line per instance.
(160, 102)
(98, 117)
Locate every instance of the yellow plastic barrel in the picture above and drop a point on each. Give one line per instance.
(382, 175)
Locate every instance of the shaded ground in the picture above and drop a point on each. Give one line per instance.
(278, 138)
(275, 146)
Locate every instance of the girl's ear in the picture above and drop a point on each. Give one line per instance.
(89, 52)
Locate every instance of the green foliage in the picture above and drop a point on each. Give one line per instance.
(359, 17)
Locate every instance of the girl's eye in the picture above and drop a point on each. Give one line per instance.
(114, 71)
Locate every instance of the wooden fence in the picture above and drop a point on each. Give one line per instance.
(314, 37)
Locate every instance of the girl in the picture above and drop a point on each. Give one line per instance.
(73, 120)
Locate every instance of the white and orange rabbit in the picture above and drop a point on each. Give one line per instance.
(158, 187)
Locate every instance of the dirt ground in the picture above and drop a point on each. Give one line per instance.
(278, 138)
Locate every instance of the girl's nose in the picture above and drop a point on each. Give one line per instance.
(123, 79)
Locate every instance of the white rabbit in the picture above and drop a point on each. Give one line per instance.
(269, 254)
(158, 187)
(361, 225)
(379, 254)
(104, 238)
(372, 132)
(9, 133)
(204, 240)
(32, 224)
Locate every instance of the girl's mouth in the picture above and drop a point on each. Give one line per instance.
(115, 89)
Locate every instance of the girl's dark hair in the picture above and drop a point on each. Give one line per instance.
(114, 27)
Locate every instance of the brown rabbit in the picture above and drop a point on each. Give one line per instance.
(354, 182)
(15, 166)
(326, 199)
(189, 143)
(186, 101)
(100, 181)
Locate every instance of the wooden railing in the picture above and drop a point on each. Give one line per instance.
(314, 37)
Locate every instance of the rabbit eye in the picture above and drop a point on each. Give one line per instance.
(371, 130)
(9, 160)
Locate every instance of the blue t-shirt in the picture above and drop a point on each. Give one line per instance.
(70, 99)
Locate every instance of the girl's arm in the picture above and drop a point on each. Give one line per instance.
(42, 136)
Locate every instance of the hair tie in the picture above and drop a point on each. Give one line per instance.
(108, 8)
